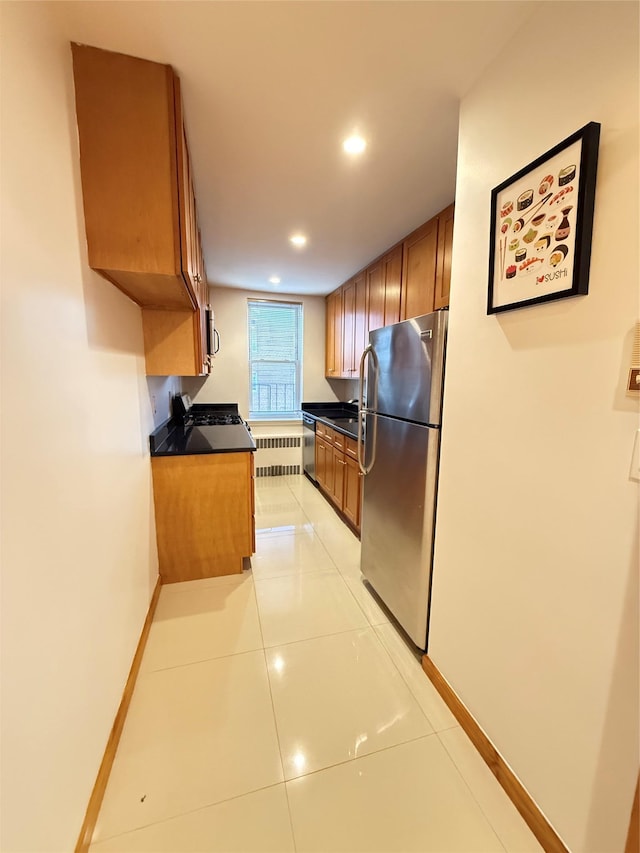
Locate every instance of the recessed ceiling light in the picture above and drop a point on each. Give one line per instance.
(298, 239)
(354, 144)
(274, 280)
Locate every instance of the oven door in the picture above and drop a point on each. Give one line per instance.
(309, 446)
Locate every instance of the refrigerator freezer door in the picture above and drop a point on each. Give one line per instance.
(409, 368)
(398, 520)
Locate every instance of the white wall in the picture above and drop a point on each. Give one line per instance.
(229, 381)
(79, 556)
(535, 594)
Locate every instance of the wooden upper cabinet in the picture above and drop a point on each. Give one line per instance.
(333, 339)
(361, 327)
(375, 291)
(132, 185)
(348, 329)
(420, 251)
(409, 280)
(392, 266)
(443, 271)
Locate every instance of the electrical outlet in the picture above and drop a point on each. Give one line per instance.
(634, 379)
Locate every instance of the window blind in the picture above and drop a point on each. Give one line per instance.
(275, 359)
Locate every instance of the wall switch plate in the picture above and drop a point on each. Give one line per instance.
(634, 471)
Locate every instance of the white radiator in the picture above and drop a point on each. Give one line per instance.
(277, 455)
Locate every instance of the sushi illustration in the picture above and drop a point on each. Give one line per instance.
(558, 255)
(545, 184)
(506, 209)
(525, 199)
(560, 195)
(513, 245)
(521, 254)
(517, 225)
(539, 279)
(527, 265)
(538, 220)
(505, 225)
(511, 271)
(542, 243)
(566, 175)
(552, 223)
(530, 236)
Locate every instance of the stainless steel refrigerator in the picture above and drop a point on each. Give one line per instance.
(400, 420)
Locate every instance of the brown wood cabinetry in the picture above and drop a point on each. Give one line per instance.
(204, 514)
(411, 279)
(361, 329)
(443, 271)
(419, 270)
(392, 268)
(139, 203)
(426, 266)
(349, 329)
(338, 473)
(375, 290)
(333, 341)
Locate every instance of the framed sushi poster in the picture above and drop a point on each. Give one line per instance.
(541, 226)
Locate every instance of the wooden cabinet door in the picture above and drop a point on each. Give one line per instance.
(189, 239)
(351, 502)
(125, 111)
(348, 329)
(361, 327)
(419, 270)
(333, 340)
(330, 336)
(375, 290)
(321, 462)
(339, 465)
(445, 243)
(392, 266)
(193, 496)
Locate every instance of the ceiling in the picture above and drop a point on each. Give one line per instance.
(270, 91)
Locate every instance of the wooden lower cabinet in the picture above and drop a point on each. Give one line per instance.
(352, 491)
(338, 474)
(204, 514)
(337, 493)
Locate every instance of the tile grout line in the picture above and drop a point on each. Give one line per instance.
(470, 789)
(384, 646)
(275, 722)
(212, 805)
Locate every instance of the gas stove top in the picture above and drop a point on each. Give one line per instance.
(205, 414)
(211, 419)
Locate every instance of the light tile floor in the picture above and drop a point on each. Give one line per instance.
(282, 710)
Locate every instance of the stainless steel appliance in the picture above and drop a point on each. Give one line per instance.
(309, 446)
(399, 457)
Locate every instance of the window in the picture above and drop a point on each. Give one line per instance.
(275, 359)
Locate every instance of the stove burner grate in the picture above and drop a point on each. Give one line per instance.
(203, 419)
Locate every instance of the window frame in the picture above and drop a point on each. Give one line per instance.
(282, 414)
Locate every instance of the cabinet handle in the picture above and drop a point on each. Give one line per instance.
(340, 462)
(197, 278)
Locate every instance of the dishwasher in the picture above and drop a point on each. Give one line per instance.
(309, 446)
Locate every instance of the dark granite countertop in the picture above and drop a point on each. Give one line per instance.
(343, 417)
(173, 439)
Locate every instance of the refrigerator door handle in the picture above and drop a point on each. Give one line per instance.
(369, 350)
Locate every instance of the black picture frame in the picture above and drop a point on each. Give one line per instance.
(542, 224)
